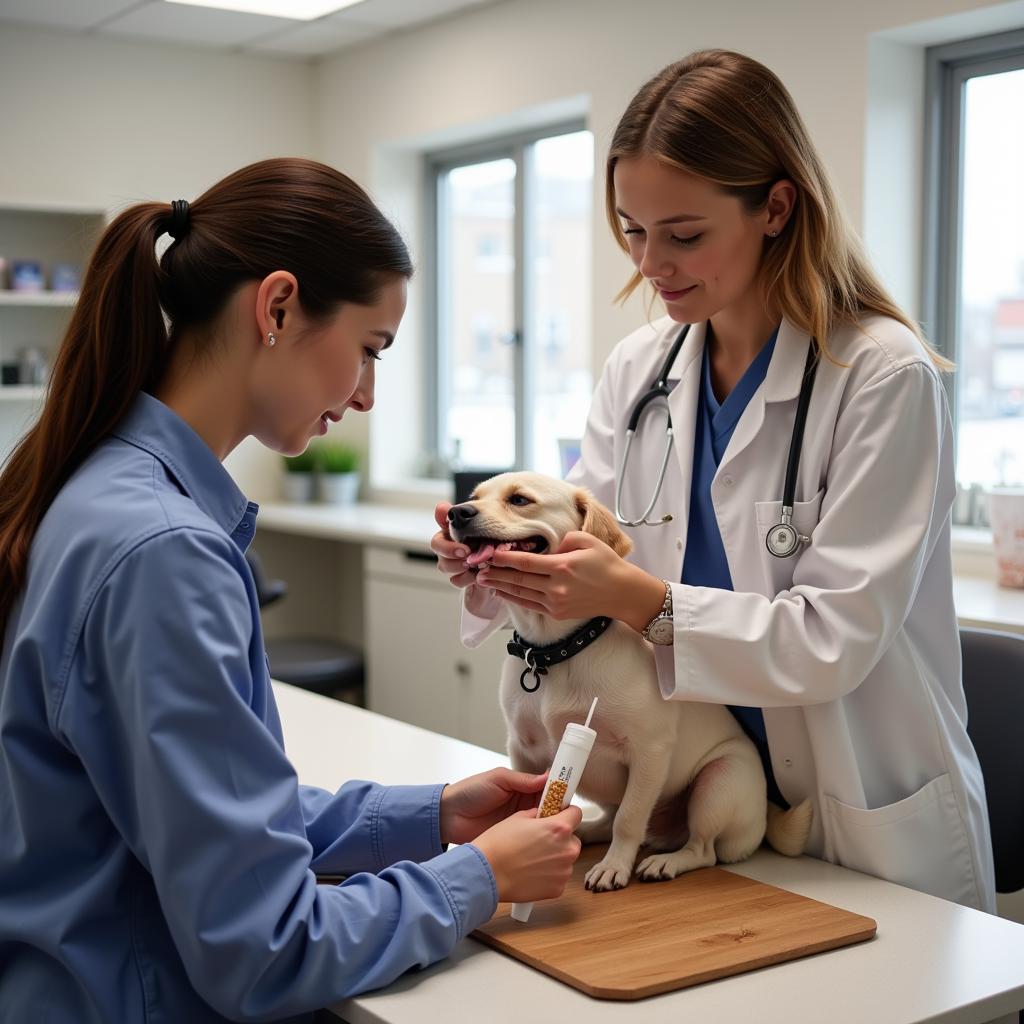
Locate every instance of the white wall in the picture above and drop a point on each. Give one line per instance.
(107, 123)
(400, 93)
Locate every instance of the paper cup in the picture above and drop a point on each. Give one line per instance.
(1006, 514)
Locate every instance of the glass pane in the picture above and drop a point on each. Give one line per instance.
(990, 372)
(559, 289)
(477, 402)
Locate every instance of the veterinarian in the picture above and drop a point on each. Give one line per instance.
(157, 855)
(830, 631)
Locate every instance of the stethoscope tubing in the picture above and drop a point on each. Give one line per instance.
(797, 440)
(782, 540)
(659, 389)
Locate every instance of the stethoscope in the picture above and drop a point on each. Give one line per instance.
(783, 539)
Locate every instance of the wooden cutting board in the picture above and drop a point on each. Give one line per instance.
(653, 937)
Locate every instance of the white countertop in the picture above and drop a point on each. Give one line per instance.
(979, 600)
(384, 525)
(931, 960)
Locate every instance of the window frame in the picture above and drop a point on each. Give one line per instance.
(948, 67)
(516, 147)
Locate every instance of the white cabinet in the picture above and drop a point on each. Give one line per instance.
(49, 235)
(417, 669)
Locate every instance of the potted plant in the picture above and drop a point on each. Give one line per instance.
(339, 472)
(299, 474)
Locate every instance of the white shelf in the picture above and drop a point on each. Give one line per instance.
(51, 299)
(21, 393)
(58, 208)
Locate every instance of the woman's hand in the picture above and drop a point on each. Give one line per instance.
(532, 857)
(583, 579)
(451, 560)
(451, 557)
(473, 805)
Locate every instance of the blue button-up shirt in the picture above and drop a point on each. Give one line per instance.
(157, 854)
(705, 564)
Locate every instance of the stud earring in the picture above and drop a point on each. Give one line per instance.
(773, 234)
(271, 338)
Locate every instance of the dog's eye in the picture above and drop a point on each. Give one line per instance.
(519, 499)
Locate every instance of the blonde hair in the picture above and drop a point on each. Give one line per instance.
(728, 119)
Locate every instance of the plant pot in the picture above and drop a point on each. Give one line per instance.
(1006, 514)
(298, 487)
(339, 488)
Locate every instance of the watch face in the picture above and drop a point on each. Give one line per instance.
(661, 632)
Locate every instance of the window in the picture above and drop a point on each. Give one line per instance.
(974, 268)
(510, 317)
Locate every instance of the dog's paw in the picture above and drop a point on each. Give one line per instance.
(608, 874)
(660, 867)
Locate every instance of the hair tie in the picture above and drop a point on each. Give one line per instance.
(179, 225)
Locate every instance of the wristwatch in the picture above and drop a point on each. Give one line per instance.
(661, 629)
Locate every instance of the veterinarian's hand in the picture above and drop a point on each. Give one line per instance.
(584, 578)
(451, 560)
(475, 804)
(532, 857)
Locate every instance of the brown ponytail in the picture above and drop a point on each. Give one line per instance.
(284, 214)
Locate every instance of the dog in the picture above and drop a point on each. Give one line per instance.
(680, 779)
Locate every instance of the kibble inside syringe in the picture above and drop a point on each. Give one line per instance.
(553, 799)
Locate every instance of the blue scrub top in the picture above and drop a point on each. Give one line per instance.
(157, 853)
(705, 564)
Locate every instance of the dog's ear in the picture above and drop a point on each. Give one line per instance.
(599, 522)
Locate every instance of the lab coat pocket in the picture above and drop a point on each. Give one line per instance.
(778, 572)
(919, 841)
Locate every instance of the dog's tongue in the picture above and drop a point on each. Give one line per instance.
(482, 555)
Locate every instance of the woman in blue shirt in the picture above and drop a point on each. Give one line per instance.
(157, 855)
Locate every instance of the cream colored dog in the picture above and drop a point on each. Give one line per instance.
(680, 778)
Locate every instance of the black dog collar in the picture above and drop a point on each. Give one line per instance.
(540, 659)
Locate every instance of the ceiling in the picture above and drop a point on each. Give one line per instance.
(157, 21)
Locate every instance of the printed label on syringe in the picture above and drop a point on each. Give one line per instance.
(552, 803)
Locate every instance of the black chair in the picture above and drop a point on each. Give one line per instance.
(994, 685)
(320, 664)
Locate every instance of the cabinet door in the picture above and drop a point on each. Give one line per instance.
(417, 669)
(479, 673)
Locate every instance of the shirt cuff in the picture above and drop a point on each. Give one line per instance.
(407, 825)
(468, 883)
(476, 629)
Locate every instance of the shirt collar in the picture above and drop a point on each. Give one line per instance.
(155, 428)
(725, 415)
(785, 371)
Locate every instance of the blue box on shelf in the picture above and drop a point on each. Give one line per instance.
(65, 277)
(26, 276)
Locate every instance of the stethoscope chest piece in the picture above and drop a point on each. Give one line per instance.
(784, 539)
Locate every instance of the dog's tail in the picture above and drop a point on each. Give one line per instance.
(787, 831)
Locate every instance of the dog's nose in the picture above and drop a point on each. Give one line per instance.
(460, 515)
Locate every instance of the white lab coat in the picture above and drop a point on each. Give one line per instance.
(850, 646)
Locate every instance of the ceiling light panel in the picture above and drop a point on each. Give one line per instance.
(298, 10)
